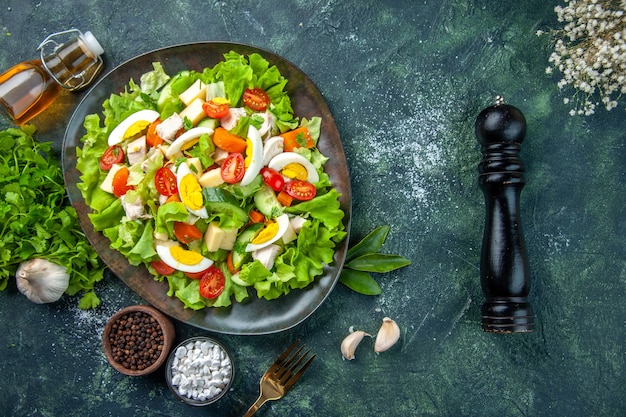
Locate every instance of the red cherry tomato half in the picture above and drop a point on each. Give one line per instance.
(196, 275)
(273, 178)
(152, 137)
(161, 267)
(113, 155)
(233, 168)
(212, 283)
(300, 190)
(120, 179)
(165, 182)
(186, 233)
(216, 109)
(256, 99)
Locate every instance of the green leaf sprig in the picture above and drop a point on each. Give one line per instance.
(36, 220)
(364, 258)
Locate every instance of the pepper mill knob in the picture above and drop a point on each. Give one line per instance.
(504, 272)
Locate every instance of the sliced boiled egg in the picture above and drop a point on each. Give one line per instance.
(271, 232)
(187, 140)
(294, 165)
(132, 126)
(190, 191)
(254, 155)
(181, 259)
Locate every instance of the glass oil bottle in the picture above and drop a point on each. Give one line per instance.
(28, 88)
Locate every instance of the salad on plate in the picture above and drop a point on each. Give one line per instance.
(209, 180)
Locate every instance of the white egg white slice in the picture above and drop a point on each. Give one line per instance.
(188, 189)
(181, 259)
(117, 134)
(281, 160)
(182, 142)
(255, 154)
(282, 222)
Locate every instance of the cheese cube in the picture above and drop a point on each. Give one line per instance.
(194, 111)
(213, 237)
(211, 178)
(107, 184)
(195, 91)
(195, 166)
(228, 239)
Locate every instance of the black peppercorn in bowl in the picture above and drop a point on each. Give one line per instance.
(137, 339)
(199, 371)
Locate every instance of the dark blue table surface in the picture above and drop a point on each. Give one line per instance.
(405, 81)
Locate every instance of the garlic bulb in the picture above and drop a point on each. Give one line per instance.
(387, 336)
(350, 343)
(42, 281)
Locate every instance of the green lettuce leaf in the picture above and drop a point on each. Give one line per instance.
(325, 208)
(188, 292)
(152, 81)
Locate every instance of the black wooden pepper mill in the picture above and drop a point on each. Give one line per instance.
(504, 275)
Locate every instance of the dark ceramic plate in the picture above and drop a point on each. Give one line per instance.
(255, 316)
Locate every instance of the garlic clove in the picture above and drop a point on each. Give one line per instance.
(388, 335)
(41, 281)
(350, 343)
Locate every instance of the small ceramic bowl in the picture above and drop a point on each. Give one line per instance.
(137, 339)
(199, 371)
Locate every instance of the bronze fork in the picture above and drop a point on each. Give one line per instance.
(281, 375)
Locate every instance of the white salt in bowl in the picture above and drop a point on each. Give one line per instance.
(199, 371)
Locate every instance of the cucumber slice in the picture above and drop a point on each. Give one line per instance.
(208, 122)
(267, 203)
(219, 201)
(240, 256)
(235, 279)
(166, 94)
(168, 101)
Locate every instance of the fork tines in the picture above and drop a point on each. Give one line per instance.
(289, 366)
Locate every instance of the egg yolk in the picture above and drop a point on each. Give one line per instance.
(220, 100)
(189, 144)
(191, 192)
(136, 129)
(249, 151)
(268, 232)
(296, 171)
(184, 256)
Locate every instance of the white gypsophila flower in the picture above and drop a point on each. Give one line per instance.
(590, 53)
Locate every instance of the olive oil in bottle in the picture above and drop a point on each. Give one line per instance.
(28, 88)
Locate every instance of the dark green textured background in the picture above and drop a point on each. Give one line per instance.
(405, 81)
